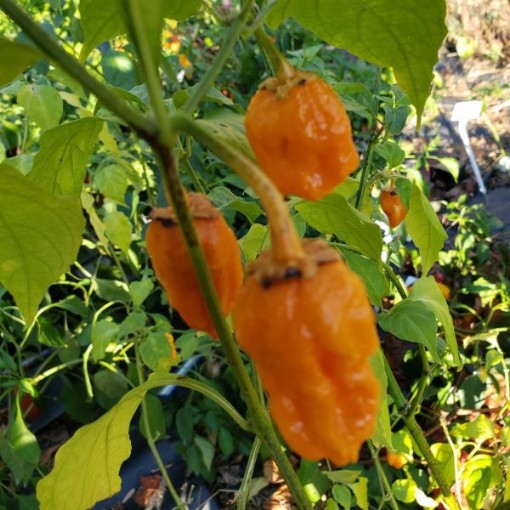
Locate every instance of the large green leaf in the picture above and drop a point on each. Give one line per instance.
(42, 104)
(14, 59)
(60, 164)
(426, 291)
(104, 20)
(422, 223)
(412, 321)
(87, 466)
(334, 215)
(40, 234)
(403, 34)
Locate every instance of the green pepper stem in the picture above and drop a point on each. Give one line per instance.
(283, 69)
(285, 243)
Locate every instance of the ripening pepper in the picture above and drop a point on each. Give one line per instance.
(301, 135)
(310, 335)
(174, 269)
(393, 206)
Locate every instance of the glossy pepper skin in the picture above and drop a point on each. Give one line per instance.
(174, 269)
(310, 339)
(393, 206)
(301, 135)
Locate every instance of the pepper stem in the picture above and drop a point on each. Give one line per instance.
(286, 245)
(283, 69)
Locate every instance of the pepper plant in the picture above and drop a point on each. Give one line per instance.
(44, 196)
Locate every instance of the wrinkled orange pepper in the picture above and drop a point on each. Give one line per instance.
(311, 337)
(174, 269)
(301, 135)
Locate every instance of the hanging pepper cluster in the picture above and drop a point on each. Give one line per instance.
(302, 315)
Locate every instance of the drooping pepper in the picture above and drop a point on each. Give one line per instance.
(310, 331)
(301, 135)
(393, 206)
(174, 269)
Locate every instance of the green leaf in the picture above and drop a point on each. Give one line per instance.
(357, 98)
(60, 164)
(370, 272)
(14, 59)
(118, 229)
(156, 416)
(314, 482)
(226, 441)
(342, 495)
(360, 490)
(391, 152)
(334, 215)
(213, 95)
(254, 241)
(390, 33)
(155, 349)
(206, 450)
(140, 291)
(42, 103)
(479, 429)
(103, 333)
(412, 321)
(222, 197)
(422, 224)
(382, 433)
(476, 480)
(179, 10)
(112, 181)
(184, 425)
(133, 323)
(40, 235)
(102, 21)
(426, 291)
(404, 490)
(343, 475)
(88, 202)
(19, 448)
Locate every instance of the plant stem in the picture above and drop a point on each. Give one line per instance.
(225, 51)
(371, 146)
(419, 438)
(382, 477)
(148, 433)
(285, 243)
(282, 68)
(244, 489)
(77, 71)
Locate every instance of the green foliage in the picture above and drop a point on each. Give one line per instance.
(14, 59)
(40, 236)
(376, 31)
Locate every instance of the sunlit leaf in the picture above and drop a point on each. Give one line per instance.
(402, 34)
(14, 59)
(40, 234)
(60, 164)
(422, 223)
(334, 215)
(42, 103)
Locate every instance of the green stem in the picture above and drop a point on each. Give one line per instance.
(148, 65)
(54, 370)
(382, 477)
(226, 49)
(419, 438)
(77, 71)
(285, 243)
(371, 147)
(244, 489)
(150, 439)
(282, 68)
